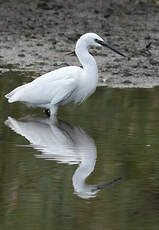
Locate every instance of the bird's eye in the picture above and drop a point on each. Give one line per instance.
(99, 41)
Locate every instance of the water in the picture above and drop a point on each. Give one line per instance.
(54, 176)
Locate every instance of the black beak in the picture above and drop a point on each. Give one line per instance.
(104, 44)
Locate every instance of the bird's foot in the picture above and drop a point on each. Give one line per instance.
(47, 111)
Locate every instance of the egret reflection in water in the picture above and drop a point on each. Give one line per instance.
(66, 144)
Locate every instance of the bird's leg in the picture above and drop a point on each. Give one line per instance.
(53, 110)
(47, 111)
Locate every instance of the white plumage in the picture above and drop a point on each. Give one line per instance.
(66, 84)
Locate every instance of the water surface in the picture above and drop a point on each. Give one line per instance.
(96, 167)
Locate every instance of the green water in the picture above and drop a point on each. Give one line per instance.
(114, 134)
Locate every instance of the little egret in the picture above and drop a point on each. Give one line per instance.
(64, 85)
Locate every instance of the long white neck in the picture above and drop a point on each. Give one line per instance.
(85, 58)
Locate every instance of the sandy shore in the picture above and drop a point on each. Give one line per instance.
(35, 35)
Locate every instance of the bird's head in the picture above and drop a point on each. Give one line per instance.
(92, 39)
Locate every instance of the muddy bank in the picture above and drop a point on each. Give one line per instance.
(35, 35)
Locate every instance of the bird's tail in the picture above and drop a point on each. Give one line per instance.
(12, 96)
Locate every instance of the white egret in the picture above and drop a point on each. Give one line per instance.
(64, 85)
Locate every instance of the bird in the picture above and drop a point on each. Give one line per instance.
(59, 141)
(64, 85)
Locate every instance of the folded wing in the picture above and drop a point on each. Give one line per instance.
(44, 92)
